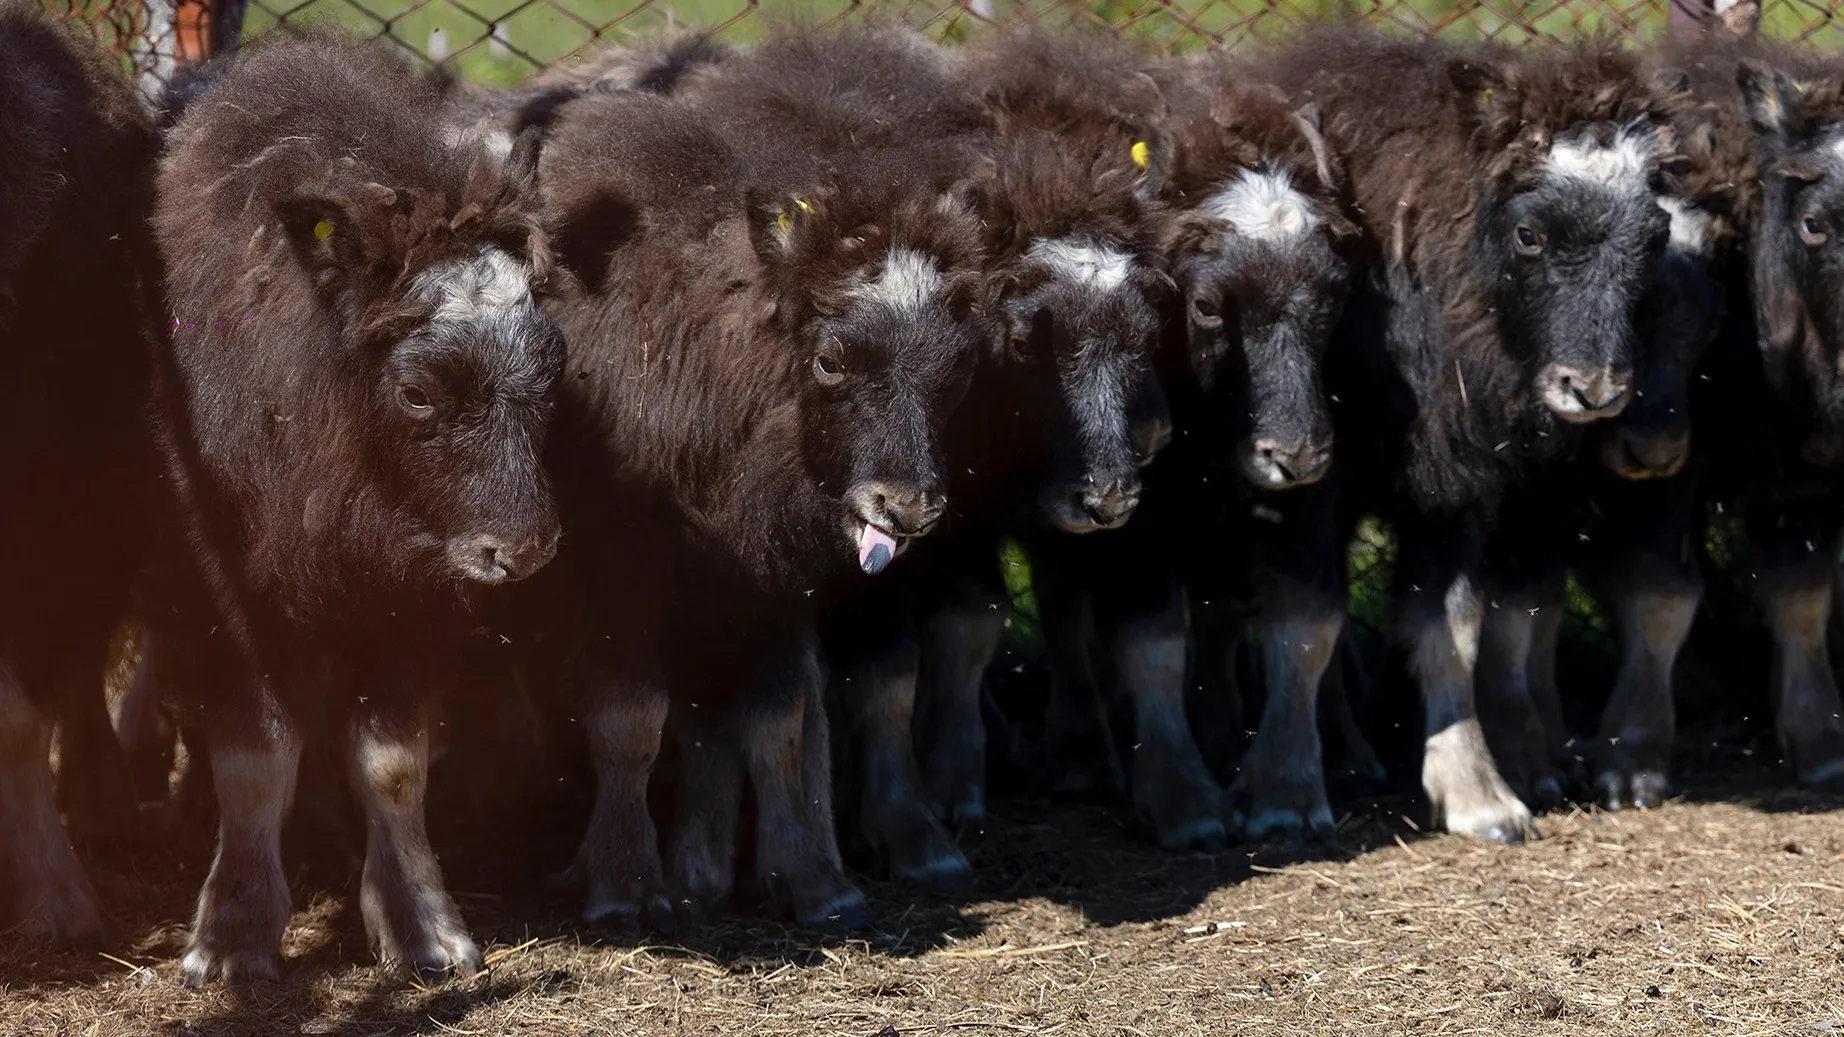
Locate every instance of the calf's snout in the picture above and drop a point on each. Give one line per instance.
(1580, 394)
(1277, 462)
(493, 558)
(1638, 453)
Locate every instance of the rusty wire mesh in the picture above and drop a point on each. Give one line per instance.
(503, 41)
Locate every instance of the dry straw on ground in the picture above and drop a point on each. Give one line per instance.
(1716, 914)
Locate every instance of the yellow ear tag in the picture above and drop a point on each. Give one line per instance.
(783, 223)
(804, 207)
(323, 230)
(1485, 95)
(1141, 153)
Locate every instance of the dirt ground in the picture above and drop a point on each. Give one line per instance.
(1722, 912)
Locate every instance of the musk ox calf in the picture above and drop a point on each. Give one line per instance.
(78, 299)
(1247, 212)
(1773, 410)
(1628, 513)
(1511, 203)
(776, 308)
(1050, 437)
(353, 410)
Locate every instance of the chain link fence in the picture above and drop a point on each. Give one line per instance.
(504, 41)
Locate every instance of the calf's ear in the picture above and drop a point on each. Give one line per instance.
(1484, 94)
(777, 223)
(1153, 153)
(326, 239)
(1309, 122)
(1771, 102)
(522, 161)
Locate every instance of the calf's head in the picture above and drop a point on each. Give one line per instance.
(1077, 293)
(1679, 315)
(1254, 245)
(449, 365)
(1568, 232)
(1797, 255)
(886, 318)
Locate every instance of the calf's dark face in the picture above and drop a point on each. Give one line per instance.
(452, 373)
(884, 376)
(1569, 258)
(1679, 315)
(1081, 328)
(1797, 254)
(467, 398)
(1262, 291)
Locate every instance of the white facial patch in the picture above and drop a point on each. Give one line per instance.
(909, 280)
(489, 285)
(1263, 205)
(1692, 230)
(1079, 262)
(1621, 166)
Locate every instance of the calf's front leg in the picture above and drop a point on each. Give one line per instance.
(411, 921)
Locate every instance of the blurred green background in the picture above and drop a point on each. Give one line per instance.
(503, 41)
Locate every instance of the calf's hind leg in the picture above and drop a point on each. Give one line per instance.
(1281, 790)
(1797, 598)
(619, 857)
(255, 755)
(958, 642)
(1516, 732)
(1173, 790)
(789, 760)
(52, 898)
(1654, 608)
(877, 695)
(411, 920)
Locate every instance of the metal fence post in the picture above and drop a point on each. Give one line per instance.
(226, 26)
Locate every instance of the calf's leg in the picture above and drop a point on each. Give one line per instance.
(1519, 739)
(1464, 788)
(1797, 600)
(51, 896)
(619, 858)
(958, 643)
(788, 757)
(1281, 790)
(1173, 790)
(1654, 608)
(255, 755)
(411, 920)
(701, 844)
(877, 695)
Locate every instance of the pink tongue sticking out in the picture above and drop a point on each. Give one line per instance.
(875, 549)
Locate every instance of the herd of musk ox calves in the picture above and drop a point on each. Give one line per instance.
(686, 393)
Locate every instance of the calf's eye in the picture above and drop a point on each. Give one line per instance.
(1205, 312)
(1812, 230)
(828, 369)
(414, 398)
(1529, 242)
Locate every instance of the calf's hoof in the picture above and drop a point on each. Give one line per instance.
(1619, 788)
(648, 912)
(1289, 810)
(442, 951)
(846, 911)
(1818, 760)
(1181, 803)
(236, 968)
(945, 873)
(963, 808)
